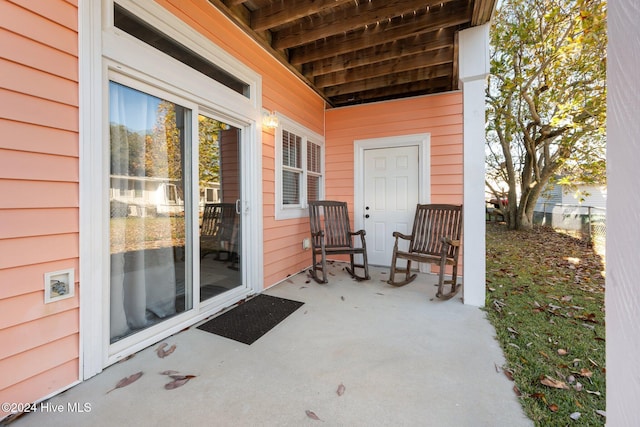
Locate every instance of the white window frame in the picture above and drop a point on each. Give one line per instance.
(300, 210)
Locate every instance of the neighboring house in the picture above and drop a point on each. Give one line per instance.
(72, 71)
(143, 196)
(575, 210)
(583, 194)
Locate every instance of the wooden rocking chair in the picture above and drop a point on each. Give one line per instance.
(331, 234)
(435, 238)
(217, 234)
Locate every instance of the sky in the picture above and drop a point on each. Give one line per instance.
(132, 108)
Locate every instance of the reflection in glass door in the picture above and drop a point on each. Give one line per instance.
(148, 136)
(219, 176)
(154, 204)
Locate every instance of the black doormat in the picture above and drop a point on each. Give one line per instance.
(252, 319)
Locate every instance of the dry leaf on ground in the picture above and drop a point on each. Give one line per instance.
(127, 380)
(552, 382)
(178, 381)
(586, 373)
(162, 353)
(312, 415)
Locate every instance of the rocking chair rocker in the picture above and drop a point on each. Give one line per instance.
(331, 234)
(435, 238)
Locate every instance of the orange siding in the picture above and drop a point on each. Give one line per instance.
(39, 204)
(282, 92)
(438, 115)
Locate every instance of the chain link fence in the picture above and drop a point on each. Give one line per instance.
(585, 222)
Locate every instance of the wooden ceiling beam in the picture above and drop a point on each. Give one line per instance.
(408, 63)
(355, 18)
(376, 36)
(384, 81)
(393, 92)
(482, 11)
(396, 49)
(231, 3)
(282, 13)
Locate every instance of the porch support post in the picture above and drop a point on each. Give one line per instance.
(474, 69)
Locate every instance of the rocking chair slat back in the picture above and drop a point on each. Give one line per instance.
(337, 230)
(218, 229)
(431, 223)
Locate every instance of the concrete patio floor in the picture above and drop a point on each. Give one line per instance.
(404, 358)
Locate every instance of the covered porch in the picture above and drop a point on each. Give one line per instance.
(403, 356)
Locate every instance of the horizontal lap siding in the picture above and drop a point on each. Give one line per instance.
(39, 343)
(281, 92)
(438, 115)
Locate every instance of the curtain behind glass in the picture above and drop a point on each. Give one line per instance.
(147, 228)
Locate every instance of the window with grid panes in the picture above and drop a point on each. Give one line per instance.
(291, 168)
(299, 159)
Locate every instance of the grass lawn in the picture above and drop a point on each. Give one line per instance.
(545, 298)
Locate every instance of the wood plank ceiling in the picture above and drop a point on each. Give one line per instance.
(359, 51)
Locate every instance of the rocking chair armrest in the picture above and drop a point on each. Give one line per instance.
(398, 234)
(448, 241)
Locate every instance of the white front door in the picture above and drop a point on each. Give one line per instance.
(391, 192)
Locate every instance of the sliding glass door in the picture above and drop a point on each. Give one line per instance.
(157, 206)
(220, 219)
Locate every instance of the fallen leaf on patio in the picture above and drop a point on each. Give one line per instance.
(340, 389)
(312, 415)
(586, 373)
(162, 353)
(127, 380)
(178, 381)
(562, 352)
(552, 382)
(553, 407)
(182, 377)
(127, 358)
(168, 372)
(601, 412)
(574, 416)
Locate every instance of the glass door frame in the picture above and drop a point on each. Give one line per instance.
(102, 49)
(247, 157)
